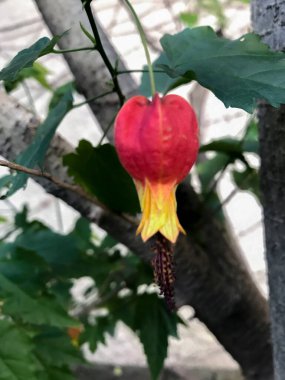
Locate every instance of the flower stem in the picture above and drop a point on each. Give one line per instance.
(100, 49)
(144, 42)
(55, 51)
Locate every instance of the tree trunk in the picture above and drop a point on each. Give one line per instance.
(211, 275)
(268, 22)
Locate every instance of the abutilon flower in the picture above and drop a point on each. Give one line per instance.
(157, 143)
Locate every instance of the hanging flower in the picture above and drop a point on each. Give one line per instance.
(157, 143)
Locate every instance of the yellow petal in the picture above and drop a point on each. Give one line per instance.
(158, 206)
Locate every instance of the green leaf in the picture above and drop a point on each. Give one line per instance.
(16, 358)
(34, 154)
(208, 169)
(231, 146)
(25, 58)
(87, 34)
(164, 82)
(59, 93)
(37, 72)
(95, 334)
(100, 172)
(188, 18)
(250, 139)
(247, 180)
(54, 348)
(108, 242)
(239, 72)
(149, 318)
(40, 311)
(154, 323)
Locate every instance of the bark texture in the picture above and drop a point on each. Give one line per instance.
(211, 275)
(268, 18)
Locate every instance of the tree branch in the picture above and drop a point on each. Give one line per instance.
(64, 185)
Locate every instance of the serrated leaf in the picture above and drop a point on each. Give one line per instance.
(149, 318)
(16, 358)
(154, 325)
(100, 172)
(40, 311)
(241, 71)
(25, 58)
(34, 154)
(95, 334)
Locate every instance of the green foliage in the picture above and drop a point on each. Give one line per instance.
(34, 154)
(17, 361)
(37, 72)
(37, 270)
(87, 34)
(59, 94)
(99, 171)
(209, 168)
(153, 324)
(231, 146)
(242, 71)
(39, 266)
(25, 58)
(164, 81)
(97, 332)
(248, 180)
(38, 311)
(189, 18)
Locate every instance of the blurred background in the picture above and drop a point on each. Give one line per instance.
(21, 25)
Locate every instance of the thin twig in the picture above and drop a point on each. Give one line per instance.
(139, 71)
(55, 180)
(74, 188)
(93, 99)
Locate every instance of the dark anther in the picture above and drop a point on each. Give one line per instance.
(162, 265)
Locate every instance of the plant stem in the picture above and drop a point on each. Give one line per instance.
(93, 99)
(106, 131)
(56, 181)
(55, 51)
(138, 71)
(100, 49)
(144, 42)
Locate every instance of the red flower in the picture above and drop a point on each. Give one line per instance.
(157, 143)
